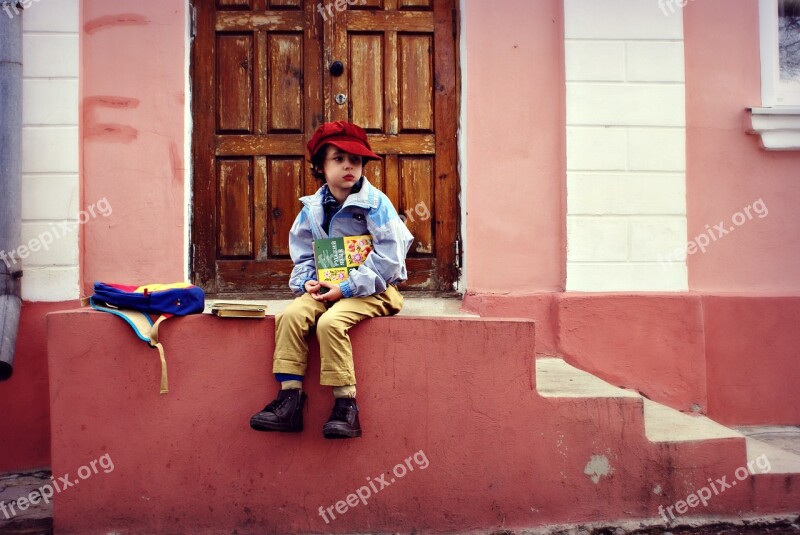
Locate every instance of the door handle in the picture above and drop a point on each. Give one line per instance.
(336, 68)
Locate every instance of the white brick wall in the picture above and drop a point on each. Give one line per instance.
(626, 146)
(50, 148)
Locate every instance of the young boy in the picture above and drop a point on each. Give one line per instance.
(347, 205)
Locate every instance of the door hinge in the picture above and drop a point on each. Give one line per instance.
(192, 21)
(458, 254)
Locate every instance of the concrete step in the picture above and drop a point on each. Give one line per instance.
(412, 306)
(786, 437)
(556, 378)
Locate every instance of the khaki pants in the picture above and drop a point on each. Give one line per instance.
(332, 323)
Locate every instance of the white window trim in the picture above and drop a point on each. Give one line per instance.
(778, 120)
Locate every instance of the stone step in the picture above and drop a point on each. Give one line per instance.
(557, 378)
(412, 306)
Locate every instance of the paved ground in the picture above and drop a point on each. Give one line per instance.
(37, 520)
(34, 520)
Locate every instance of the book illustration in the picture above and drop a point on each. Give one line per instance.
(333, 274)
(357, 248)
(336, 256)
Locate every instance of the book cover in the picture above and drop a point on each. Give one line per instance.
(335, 257)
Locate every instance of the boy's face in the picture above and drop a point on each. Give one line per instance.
(342, 169)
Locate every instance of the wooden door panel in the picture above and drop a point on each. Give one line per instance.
(366, 81)
(235, 221)
(284, 192)
(262, 86)
(415, 66)
(235, 88)
(416, 174)
(285, 75)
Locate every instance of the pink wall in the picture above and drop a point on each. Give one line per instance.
(726, 168)
(515, 152)
(132, 133)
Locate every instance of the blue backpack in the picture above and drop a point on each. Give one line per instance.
(135, 304)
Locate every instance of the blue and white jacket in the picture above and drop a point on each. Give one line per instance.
(368, 211)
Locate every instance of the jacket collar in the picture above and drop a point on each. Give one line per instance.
(366, 198)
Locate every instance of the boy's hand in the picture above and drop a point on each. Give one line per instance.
(333, 294)
(312, 286)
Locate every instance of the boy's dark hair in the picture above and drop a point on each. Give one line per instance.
(318, 162)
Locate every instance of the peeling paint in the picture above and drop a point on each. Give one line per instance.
(597, 467)
(424, 249)
(657, 490)
(121, 19)
(109, 132)
(560, 445)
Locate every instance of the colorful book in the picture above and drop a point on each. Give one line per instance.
(335, 257)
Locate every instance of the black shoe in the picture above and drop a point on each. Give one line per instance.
(283, 414)
(343, 422)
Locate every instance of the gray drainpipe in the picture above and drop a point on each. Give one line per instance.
(10, 183)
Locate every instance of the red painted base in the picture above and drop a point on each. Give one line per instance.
(455, 437)
(24, 398)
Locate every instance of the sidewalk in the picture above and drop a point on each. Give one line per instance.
(34, 520)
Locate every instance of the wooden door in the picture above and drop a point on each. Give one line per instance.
(261, 86)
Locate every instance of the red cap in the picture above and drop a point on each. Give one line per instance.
(345, 136)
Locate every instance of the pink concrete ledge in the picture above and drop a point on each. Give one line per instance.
(455, 437)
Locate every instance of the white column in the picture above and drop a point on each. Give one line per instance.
(50, 147)
(626, 153)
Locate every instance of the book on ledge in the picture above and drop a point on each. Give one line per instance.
(335, 257)
(239, 310)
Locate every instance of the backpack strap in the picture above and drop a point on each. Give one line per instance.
(156, 344)
(145, 329)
